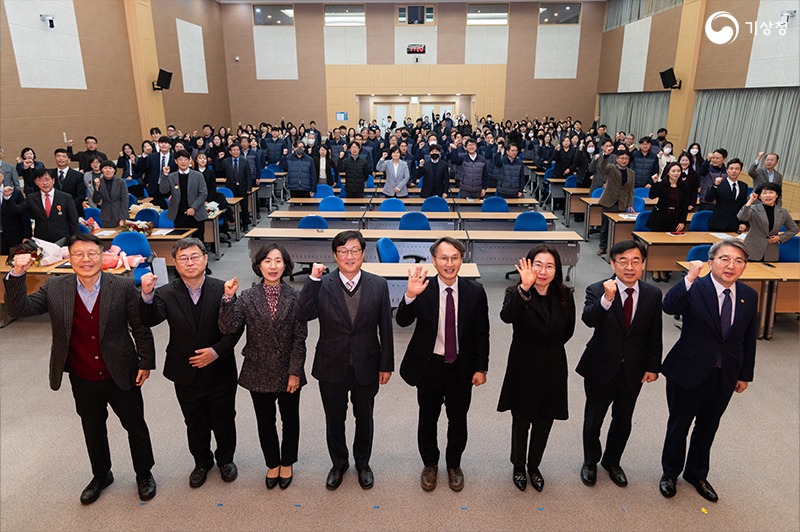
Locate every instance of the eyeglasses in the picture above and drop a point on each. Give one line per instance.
(355, 252)
(545, 267)
(449, 260)
(625, 263)
(80, 255)
(191, 258)
(726, 260)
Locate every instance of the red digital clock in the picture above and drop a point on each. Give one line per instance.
(415, 49)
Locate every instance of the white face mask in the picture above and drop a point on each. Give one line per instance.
(590, 149)
(432, 142)
(694, 151)
(311, 141)
(667, 150)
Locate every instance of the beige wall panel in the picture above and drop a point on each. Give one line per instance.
(608, 75)
(664, 30)
(451, 22)
(724, 66)
(380, 34)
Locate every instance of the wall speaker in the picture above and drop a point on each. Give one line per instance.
(164, 80)
(668, 80)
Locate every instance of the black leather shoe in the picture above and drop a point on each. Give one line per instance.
(365, 477)
(271, 482)
(520, 479)
(284, 482)
(147, 486)
(198, 476)
(703, 488)
(617, 475)
(335, 477)
(537, 480)
(667, 486)
(589, 474)
(92, 492)
(228, 472)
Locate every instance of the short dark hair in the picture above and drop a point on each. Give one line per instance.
(736, 161)
(645, 139)
(354, 142)
(186, 243)
(435, 147)
(209, 126)
(182, 153)
(261, 254)
(59, 150)
(90, 137)
(93, 158)
(164, 138)
(40, 172)
(661, 129)
(155, 130)
(84, 237)
(777, 157)
(626, 245)
(722, 151)
(775, 187)
(458, 244)
(342, 238)
(108, 164)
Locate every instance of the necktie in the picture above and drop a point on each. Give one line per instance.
(725, 313)
(61, 176)
(733, 189)
(349, 285)
(450, 328)
(163, 161)
(236, 166)
(47, 205)
(627, 308)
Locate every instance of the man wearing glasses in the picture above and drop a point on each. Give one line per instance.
(713, 357)
(90, 313)
(354, 353)
(200, 359)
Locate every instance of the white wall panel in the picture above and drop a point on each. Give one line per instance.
(486, 45)
(557, 47)
(345, 45)
(633, 63)
(276, 52)
(193, 57)
(415, 34)
(774, 58)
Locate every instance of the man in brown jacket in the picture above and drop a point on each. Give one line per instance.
(617, 191)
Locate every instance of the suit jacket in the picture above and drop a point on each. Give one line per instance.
(473, 330)
(173, 303)
(114, 203)
(759, 232)
(196, 191)
(367, 339)
(761, 176)
(662, 191)
(394, 179)
(615, 194)
(73, 185)
(637, 349)
(123, 355)
(16, 225)
(238, 182)
(63, 219)
(152, 171)
(435, 181)
(9, 175)
(724, 217)
(692, 357)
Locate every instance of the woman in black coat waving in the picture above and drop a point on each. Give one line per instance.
(542, 312)
(669, 214)
(274, 355)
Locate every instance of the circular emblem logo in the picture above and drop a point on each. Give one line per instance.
(725, 34)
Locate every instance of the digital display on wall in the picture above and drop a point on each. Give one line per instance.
(415, 49)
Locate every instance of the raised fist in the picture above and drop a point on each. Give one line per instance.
(231, 286)
(317, 270)
(149, 283)
(610, 289)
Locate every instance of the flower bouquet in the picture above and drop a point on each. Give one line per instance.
(139, 226)
(212, 208)
(93, 226)
(26, 248)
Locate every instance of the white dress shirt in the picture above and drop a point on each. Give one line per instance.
(621, 287)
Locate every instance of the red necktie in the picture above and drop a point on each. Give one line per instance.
(47, 205)
(450, 328)
(627, 308)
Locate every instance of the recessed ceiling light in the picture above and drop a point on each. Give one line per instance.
(429, 94)
(372, 95)
(568, 8)
(556, 14)
(258, 10)
(458, 94)
(269, 16)
(546, 20)
(399, 94)
(279, 22)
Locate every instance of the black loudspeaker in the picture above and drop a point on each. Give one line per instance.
(668, 80)
(164, 80)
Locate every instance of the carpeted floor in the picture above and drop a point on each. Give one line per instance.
(44, 467)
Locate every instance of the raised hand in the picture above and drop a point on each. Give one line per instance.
(22, 263)
(717, 181)
(417, 282)
(231, 286)
(527, 273)
(149, 283)
(760, 155)
(317, 270)
(694, 270)
(753, 198)
(610, 289)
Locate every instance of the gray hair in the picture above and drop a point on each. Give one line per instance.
(732, 242)
(186, 243)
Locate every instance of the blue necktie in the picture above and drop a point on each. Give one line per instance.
(725, 313)
(235, 166)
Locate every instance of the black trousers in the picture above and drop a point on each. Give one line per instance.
(334, 402)
(443, 384)
(534, 448)
(209, 408)
(91, 402)
(275, 453)
(704, 405)
(183, 220)
(598, 398)
(604, 227)
(354, 193)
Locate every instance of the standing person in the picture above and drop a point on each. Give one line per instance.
(69, 180)
(690, 179)
(200, 358)
(237, 176)
(91, 313)
(471, 170)
(713, 357)
(356, 170)
(617, 189)
(768, 174)
(448, 354)
(187, 193)
(82, 157)
(274, 356)
(669, 214)
(711, 170)
(14, 226)
(434, 174)
(625, 314)
(8, 172)
(52, 211)
(511, 177)
(766, 217)
(110, 194)
(644, 162)
(355, 352)
(728, 196)
(541, 310)
(301, 175)
(396, 172)
(133, 178)
(155, 166)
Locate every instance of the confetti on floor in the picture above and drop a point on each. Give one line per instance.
(540, 508)
(463, 507)
(704, 510)
(142, 504)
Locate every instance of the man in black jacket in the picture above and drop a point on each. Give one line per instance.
(69, 180)
(14, 226)
(356, 171)
(83, 156)
(52, 211)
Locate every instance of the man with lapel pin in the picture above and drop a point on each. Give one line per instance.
(53, 211)
(69, 180)
(713, 357)
(623, 353)
(238, 179)
(355, 352)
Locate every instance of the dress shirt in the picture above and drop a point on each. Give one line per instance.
(323, 169)
(89, 297)
(438, 346)
(720, 296)
(355, 280)
(732, 184)
(621, 287)
(52, 197)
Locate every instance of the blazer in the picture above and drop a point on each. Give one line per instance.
(113, 205)
(9, 173)
(195, 189)
(692, 357)
(662, 191)
(124, 356)
(367, 340)
(435, 181)
(724, 217)
(276, 347)
(73, 185)
(638, 349)
(761, 176)
(759, 232)
(173, 303)
(239, 181)
(63, 219)
(615, 194)
(16, 224)
(151, 170)
(473, 330)
(394, 179)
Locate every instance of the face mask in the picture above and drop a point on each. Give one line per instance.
(667, 150)
(434, 157)
(432, 142)
(311, 141)
(694, 151)
(661, 137)
(590, 149)
(299, 151)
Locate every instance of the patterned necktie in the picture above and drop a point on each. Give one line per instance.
(47, 205)
(627, 308)
(725, 313)
(450, 328)
(163, 161)
(61, 176)
(349, 285)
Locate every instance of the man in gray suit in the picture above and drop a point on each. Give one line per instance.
(355, 352)
(9, 173)
(768, 174)
(90, 313)
(187, 192)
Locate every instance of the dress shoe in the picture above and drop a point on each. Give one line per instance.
(589, 474)
(455, 477)
(601, 251)
(271, 482)
(703, 488)
(92, 492)
(284, 482)
(537, 480)
(365, 477)
(228, 472)
(617, 475)
(428, 478)
(520, 479)
(147, 486)
(667, 486)
(335, 477)
(198, 476)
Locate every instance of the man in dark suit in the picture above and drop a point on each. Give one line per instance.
(447, 355)
(52, 210)
(238, 179)
(713, 357)
(187, 193)
(623, 353)
(156, 165)
(355, 352)
(91, 313)
(200, 359)
(69, 180)
(730, 196)
(15, 226)
(434, 173)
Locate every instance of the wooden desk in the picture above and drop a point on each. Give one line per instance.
(514, 204)
(664, 249)
(391, 220)
(556, 189)
(396, 275)
(573, 203)
(498, 221)
(620, 227)
(336, 219)
(161, 245)
(594, 213)
(34, 279)
(312, 204)
(252, 197)
(211, 233)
